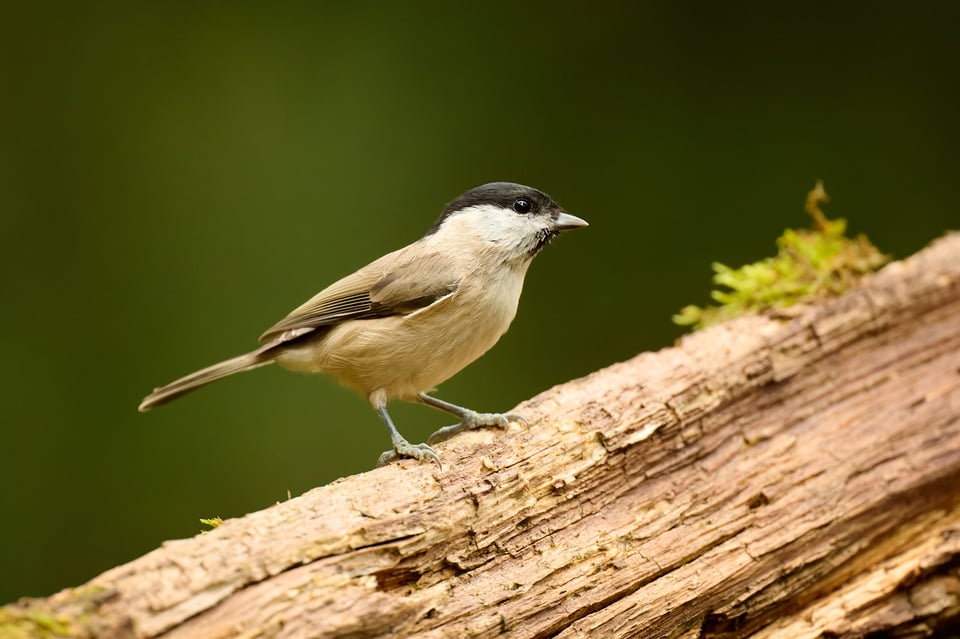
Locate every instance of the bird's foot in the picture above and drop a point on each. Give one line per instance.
(403, 448)
(472, 419)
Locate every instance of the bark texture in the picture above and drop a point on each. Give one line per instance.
(768, 477)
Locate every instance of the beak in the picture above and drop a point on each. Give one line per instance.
(565, 221)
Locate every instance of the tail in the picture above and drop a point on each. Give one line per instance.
(173, 390)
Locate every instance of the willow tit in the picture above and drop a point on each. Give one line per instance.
(405, 323)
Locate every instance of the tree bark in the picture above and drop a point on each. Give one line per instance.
(768, 477)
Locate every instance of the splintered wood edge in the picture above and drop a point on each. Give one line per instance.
(631, 472)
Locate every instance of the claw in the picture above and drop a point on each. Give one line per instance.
(420, 452)
(520, 419)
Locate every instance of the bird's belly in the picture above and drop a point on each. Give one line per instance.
(403, 355)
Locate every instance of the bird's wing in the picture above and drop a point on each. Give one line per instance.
(374, 291)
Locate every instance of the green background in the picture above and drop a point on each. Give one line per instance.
(177, 177)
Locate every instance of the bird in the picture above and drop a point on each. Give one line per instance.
(403, 324)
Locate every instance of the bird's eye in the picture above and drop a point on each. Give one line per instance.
(522, 205)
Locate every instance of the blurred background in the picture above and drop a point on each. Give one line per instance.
(175, 177)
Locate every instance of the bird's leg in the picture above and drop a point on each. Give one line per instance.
(469, 419)
(401, 447)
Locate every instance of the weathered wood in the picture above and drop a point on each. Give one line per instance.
(767, 477)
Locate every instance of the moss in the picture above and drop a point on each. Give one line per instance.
(213, 522)
(32, 622)
(809, 264)
(76, 615)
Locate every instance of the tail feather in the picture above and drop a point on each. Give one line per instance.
(193, 381)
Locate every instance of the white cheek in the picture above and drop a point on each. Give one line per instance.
(503, 226)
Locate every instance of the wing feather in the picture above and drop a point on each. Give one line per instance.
(371, 292)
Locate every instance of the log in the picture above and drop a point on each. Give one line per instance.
(767, 477)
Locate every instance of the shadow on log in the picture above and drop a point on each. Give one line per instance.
(766, 477)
